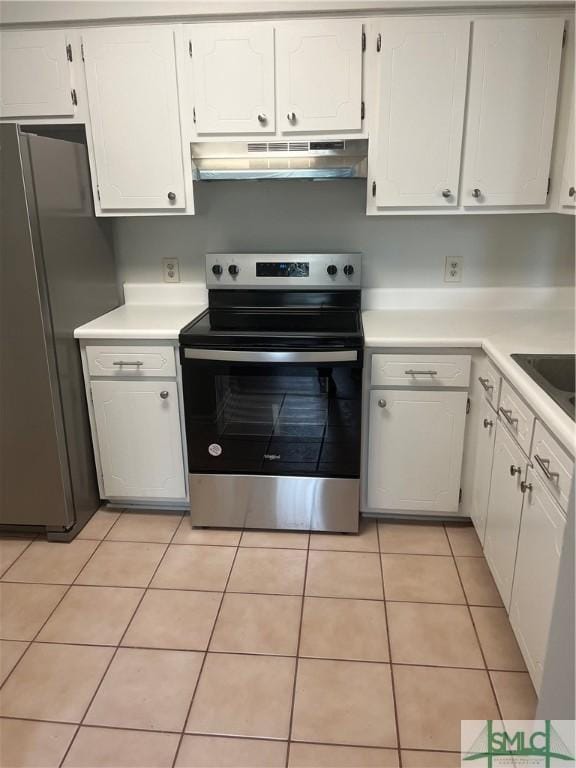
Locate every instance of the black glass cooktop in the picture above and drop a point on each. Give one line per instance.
(224, 321)
(278, 319)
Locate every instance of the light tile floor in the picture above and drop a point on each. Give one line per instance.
(145, 643)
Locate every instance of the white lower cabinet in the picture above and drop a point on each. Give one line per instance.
(415, 450)
(537, 563)
(483, 470)
(504, 511)
(139, 439)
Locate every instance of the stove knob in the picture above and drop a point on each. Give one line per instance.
(233, 270)
(332, 270)
(217, 270)
(348, 270)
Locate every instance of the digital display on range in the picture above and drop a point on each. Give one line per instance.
(282, 269)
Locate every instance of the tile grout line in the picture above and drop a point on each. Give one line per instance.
(297, 662)
(238, 592)
(267, 655)
(223, 736)
(474, 626)
(117, 647)
(289, 549)
(392, 683)
(66, 591)
(7, 538)
(201, 670)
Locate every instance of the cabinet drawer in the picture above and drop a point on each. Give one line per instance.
(421, 370)
(552, 464)
(131, 361)
(517, 417)
(490, 381)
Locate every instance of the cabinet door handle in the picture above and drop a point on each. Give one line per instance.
(164, 394)
(382, 403)
(515, 470)
(572, 192)
(544, 465)
(485, 383)
(446, 193)
(291, 117)
(488, 423)
(128, 362)
(525, 486)
(476, 193)
(262, 119)
(171, 196)
(411, 372)
(508, 416)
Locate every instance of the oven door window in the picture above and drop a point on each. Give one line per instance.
(273, 420)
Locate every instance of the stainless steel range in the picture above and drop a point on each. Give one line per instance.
(272, 376)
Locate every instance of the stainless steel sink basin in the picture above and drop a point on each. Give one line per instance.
(555, 374)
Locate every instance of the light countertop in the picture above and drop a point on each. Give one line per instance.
(500, 333)
(151, 311)
(141, 321)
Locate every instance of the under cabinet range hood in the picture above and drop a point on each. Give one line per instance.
(346, 159)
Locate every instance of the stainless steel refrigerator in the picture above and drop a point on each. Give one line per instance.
(56, 272)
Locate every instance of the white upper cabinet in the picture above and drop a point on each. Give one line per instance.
(568, 183)
(35, 74)
(513, 88)
(415, 450)
(233, 77)
(422, 67)
(133, 100)
(319, 75)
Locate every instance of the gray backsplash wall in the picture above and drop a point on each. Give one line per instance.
(400, 251)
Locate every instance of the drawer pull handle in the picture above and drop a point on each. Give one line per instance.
(544, 465)
(508, 416)
(486, 383)
(515, 470)
(525, 486)
(164, 394)
(382, 403)
(128, 362)
(488, 423)
(411, 372)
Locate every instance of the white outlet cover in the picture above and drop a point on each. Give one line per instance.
(171, 270)
(453, 269)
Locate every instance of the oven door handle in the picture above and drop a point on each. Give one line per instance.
(253, 356)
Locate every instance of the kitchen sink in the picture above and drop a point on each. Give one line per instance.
(555, 374)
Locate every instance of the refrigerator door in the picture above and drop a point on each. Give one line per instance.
(57, 273)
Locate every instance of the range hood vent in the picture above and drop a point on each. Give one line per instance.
(212, 161)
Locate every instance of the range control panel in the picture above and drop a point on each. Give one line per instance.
(284, 270)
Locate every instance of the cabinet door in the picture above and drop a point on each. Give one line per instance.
(504, 511)
(415, 450)
(514, 71)
(319, 76)
(233, 77)
(483, 469)
(35, 79)
(539, 550)
(133, 98)
(139, 437)
(423, 70)
(568, 185)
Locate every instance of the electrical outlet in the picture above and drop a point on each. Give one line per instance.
(171, 270)
(453, 269)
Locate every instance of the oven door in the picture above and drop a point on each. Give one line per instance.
(291, 413)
